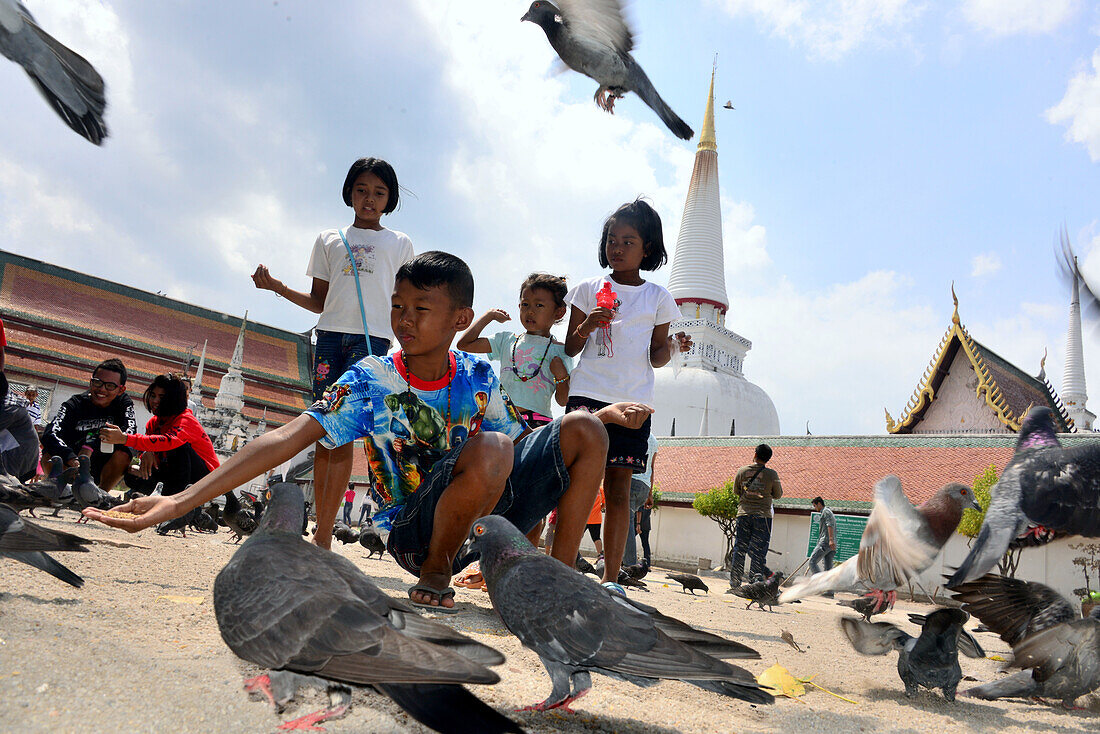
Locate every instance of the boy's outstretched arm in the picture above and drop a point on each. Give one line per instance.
(472, 340)
(266, 452)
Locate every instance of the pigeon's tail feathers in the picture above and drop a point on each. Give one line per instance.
(751, 692)
(1017, 685)
(45, 563)
(705, 642)
(987, 550)
(873, 638)
(840, 578)
(450, 709)
(644, 89)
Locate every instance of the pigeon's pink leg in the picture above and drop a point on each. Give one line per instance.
(611, 102)
(883, 600)
(600, 97)
(262, 684)
(306, 723)
(563, 704)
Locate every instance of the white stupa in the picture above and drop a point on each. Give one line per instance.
(1074, 395)
(709, 395)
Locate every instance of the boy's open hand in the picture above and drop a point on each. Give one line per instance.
(264, 280)
(627, 414)
(150, 511)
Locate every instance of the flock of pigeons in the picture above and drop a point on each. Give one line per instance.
(313, 618)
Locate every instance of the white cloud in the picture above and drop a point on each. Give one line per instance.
(1079, 109)
(985, 264)
(829, 29)
(1009, 17)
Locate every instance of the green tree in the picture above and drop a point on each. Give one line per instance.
(720, 504)
(971, 523)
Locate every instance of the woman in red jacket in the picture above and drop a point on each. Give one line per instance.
(177, 450)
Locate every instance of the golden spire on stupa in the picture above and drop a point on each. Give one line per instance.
(707, 140)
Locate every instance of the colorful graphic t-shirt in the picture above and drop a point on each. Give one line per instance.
(535, 392)
(408, 425)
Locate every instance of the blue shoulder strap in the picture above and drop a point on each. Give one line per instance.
(358, 289)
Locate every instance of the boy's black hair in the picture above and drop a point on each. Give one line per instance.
(379, 168)
(435, 268)
(644, 218)
(174, 401)
(763, 452)
(553, 284)
(114, 365)
(817, 501)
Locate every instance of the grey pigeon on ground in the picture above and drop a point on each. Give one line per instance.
(346, 534)
(372, 541)
(592, 37)
(1060, 652)
(87, 493)
(23, 541)
(898, 544)
(1043, 486)
(865, 605)
(689, 582)
(240, 521)
(762, 592)
(55, 485)
(69, 83)
(584, 566)
(638, 570)
(14, 494)
(930, 660)
(289, 606)
(577, 627)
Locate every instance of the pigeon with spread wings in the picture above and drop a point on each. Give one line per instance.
(592, 37)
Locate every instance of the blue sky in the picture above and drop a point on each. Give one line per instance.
(879, 150)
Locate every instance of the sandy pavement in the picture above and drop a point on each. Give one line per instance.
(138, 650)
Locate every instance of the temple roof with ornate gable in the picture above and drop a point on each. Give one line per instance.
(61, 323)
(977, 390)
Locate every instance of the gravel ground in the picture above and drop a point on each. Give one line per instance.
(138, 650)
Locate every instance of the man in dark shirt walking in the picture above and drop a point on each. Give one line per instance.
(757, 486)
(75, 428)
(825, 550)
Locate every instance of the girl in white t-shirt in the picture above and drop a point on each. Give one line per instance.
(371, 190)
(619, 325)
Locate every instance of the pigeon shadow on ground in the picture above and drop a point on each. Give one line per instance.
(584, 721)
(965, 709)
(59, 601)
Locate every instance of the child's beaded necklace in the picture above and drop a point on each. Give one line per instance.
(533, 375)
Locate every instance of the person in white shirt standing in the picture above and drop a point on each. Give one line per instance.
(353, 273)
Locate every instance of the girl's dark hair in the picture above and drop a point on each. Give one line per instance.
(553, 284)
(379, 168)
(642, 217)
(174, 401)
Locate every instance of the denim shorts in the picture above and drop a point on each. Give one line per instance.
(336, 351)
(626, 447)
(538, 480)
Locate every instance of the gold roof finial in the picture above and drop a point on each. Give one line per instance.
(707, 140)
(954, 316)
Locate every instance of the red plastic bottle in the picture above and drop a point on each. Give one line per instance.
(605, 297)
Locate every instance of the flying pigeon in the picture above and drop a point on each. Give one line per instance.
(762, 592)
(899, 542)
(592, 37)
(1044, 485)
(729, 106)
(23, 541)
(286, 605)
(930, 660)
(1060, 653)
(578, 627)
(69, 83)
(689, 582)
(372, 541)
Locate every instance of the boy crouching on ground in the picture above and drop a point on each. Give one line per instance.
(444, 443)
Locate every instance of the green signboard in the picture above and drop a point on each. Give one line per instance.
(849, 529)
